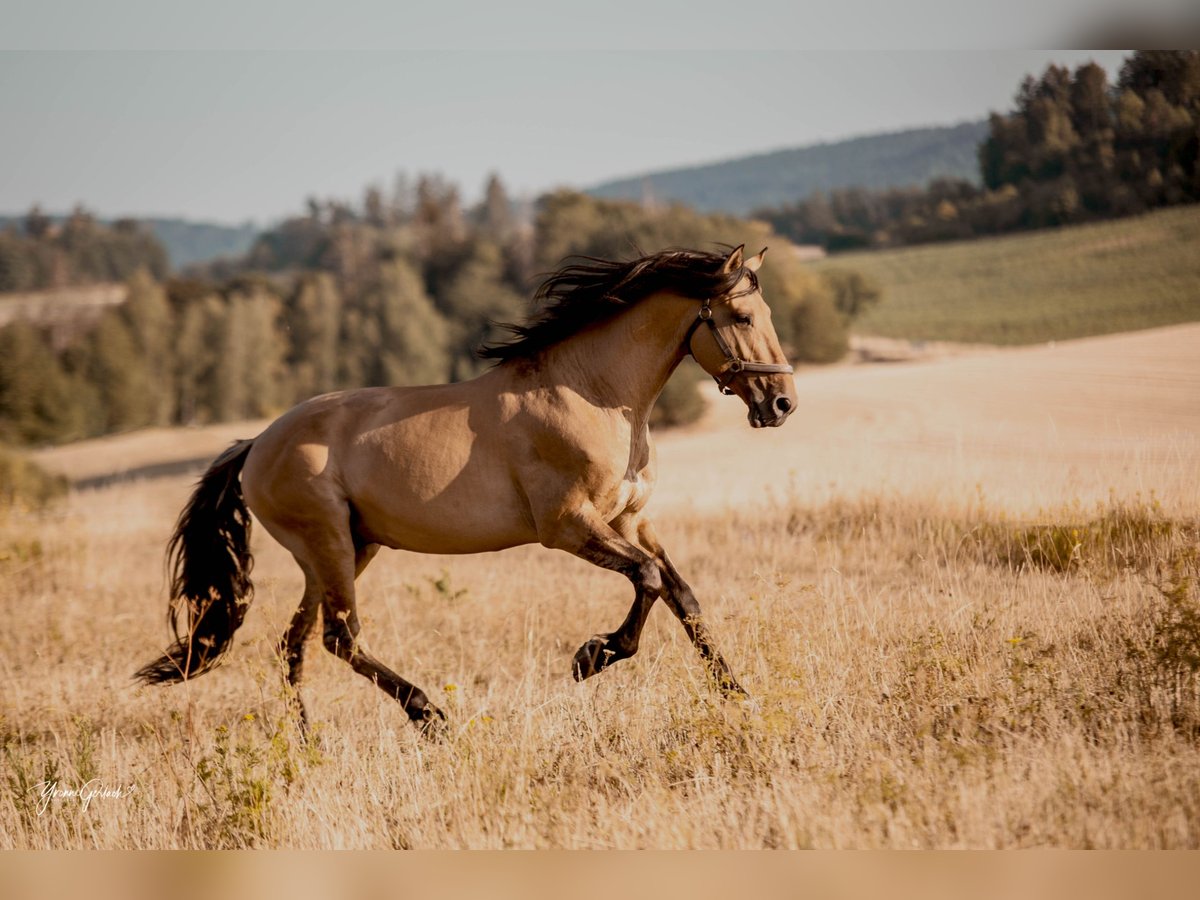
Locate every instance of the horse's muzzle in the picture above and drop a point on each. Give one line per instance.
(771, 413)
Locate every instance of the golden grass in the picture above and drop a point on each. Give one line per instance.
(936, 661)
(916, 683)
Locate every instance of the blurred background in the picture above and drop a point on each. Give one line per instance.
(188, 238)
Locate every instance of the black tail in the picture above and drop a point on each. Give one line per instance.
(209, 560)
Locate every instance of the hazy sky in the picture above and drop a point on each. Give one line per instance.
(228, 136)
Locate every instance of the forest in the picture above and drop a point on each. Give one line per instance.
(42, 253)
(398, 289)
(402, 286)
(1074, 149)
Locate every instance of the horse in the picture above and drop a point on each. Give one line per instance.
(550, 445)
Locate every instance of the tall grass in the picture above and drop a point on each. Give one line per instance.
(1049, 285)
(920, 679)
(26, 486)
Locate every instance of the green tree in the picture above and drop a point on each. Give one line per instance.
(196, 348)
(250, 369)
(851, 291)
(391, 332)
(438, 220)
(39, 401)
(680, 403)
(475, 298)
(147, 314)
(413, 337)
(314, 321)
(494, 216)
(1091, 111)
(119, 373)
(1176, 73)
(17, 270)
(24, 484)
(806, 318)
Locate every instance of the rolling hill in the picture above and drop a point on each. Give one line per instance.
(1101, 278)
(190, 242)
(911, 157)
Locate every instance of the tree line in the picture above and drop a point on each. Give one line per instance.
(398, 289)
(1074, 149)
(40, 253)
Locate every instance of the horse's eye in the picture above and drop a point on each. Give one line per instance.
(742, 319)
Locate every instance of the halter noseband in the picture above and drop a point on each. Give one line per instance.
(734, 364)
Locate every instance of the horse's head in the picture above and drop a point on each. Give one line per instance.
(737, 345)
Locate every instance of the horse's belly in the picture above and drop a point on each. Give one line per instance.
(437, 490)
(446, 524)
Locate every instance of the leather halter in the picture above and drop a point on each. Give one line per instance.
(734, 364)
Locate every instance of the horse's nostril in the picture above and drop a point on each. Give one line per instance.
(783, 405)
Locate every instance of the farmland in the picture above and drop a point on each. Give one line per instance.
(1041, 286)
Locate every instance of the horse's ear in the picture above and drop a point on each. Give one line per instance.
(734, 261)
(755, 262)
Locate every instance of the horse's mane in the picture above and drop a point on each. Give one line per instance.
(592, 290)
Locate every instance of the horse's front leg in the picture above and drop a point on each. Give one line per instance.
(589, 537)
(602, 650)
(682, 601)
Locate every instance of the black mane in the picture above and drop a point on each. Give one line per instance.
(593, 290)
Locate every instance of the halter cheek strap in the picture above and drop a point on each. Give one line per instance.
(734, 364)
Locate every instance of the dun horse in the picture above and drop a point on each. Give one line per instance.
(550, 445)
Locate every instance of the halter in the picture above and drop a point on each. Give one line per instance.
(734, 364)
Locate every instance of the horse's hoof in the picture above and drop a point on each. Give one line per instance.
(592, 658)
(731, 690)
(431, 722)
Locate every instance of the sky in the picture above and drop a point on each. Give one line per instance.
(231, 136)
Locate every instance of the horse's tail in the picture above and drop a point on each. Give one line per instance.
(209, 561)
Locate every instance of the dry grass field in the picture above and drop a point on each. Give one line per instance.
(962, 592)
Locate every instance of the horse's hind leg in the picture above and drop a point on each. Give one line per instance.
(291, 645)
(341, 639)
(679, 597)
(341, 629)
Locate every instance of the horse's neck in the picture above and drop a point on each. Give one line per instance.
(623, 364)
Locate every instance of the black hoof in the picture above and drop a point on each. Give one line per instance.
(730, 689)
(431, 722)
(592, 658)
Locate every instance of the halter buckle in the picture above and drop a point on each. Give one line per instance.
(705, 313)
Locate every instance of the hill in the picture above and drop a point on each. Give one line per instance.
(190, 242)
(739, 185)
(1049, 285)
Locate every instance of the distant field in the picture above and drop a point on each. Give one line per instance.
(1048, 285)
(65, 311)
